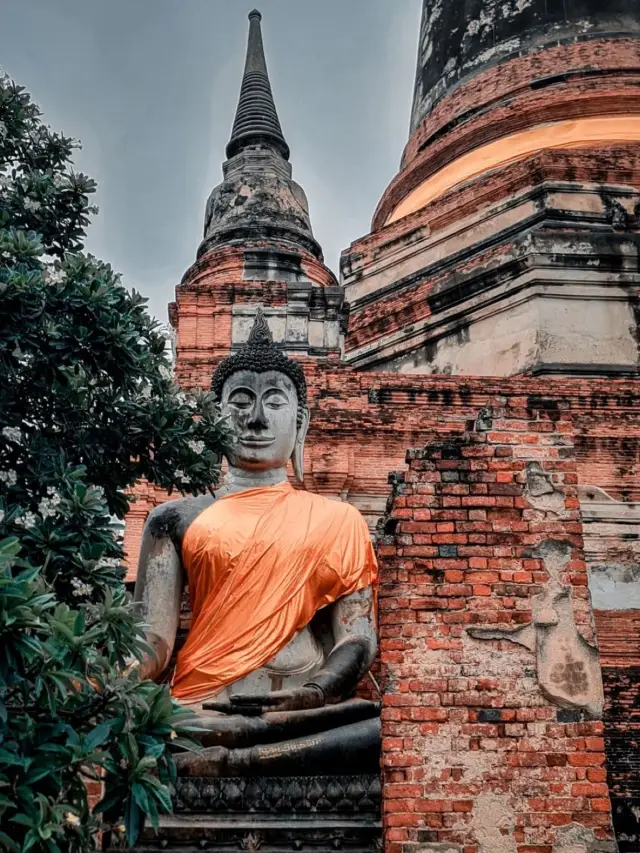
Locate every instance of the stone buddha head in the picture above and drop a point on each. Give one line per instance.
(264, 393)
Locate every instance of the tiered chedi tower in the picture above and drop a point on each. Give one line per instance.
(508, 243)
(258, 246)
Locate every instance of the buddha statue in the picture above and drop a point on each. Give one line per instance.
(281, 584)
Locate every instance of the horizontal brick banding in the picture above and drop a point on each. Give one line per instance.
(618, 637)
(362, 423)
(510, 95)
(580, 99)
(555, 65)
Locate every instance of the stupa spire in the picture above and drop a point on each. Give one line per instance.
(256, 120)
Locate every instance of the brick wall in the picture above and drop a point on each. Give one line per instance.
(362, 424)
(476, 754)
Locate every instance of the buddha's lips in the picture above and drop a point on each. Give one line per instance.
(252, 441)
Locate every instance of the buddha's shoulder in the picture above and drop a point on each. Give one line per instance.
(171, 519)
(334, 507)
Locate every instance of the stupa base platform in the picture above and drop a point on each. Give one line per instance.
(270, 814)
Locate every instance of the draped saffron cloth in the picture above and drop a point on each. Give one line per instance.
(260, 564)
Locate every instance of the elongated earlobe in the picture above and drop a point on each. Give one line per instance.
(297, 458)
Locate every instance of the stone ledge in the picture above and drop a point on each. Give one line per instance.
(188, 834)
(272, 814)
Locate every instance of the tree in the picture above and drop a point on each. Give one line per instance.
(87, 408)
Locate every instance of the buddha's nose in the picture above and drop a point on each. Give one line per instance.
(258, 419)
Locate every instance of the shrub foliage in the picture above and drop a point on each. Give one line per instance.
(87, 408)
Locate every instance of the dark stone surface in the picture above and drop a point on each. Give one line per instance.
(270, 814)
(318, 795)
(183, 835)
(461, 37)
(258, 201)
(489, 715)
(256, 120)
(622, 739)
(570, 715)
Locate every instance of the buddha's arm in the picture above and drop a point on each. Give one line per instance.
(158, 593)
(355, 646)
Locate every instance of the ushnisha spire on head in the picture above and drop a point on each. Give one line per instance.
(260, 354)
(260, 334)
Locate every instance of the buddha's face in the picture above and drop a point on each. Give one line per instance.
(263, 409)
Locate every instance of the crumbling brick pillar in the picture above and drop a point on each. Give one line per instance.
(492, 732)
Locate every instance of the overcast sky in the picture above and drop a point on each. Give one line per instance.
(151, 86)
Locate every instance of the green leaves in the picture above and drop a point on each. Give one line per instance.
(87, 408)
(97, 737)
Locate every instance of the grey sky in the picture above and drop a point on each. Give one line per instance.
(150, 87)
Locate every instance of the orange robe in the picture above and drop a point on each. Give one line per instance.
(260, 564)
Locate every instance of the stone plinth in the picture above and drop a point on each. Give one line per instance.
(319, 813)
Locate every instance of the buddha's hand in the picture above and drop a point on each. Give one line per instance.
(254, 704)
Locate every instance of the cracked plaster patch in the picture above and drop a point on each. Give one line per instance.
(568, 666)
(540, 491)
(493, 822)
(579, 839)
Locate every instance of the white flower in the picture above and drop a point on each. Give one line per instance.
(80, 589)
(108, 563)
(48, 507)
(32, 204)
(181, 476)
(9, 477)
(25, 358)
(72, 818)
(185, 399)
(28, 520)
(13, 434)
(164, 371)
(53, 276)
(196, 446)
(59, 181)
(145, 392)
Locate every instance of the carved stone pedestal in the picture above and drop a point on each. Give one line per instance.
(271, 814)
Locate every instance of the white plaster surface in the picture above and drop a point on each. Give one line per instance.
(612, 549)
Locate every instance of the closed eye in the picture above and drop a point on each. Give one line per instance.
(275, 401)
(241, 401)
